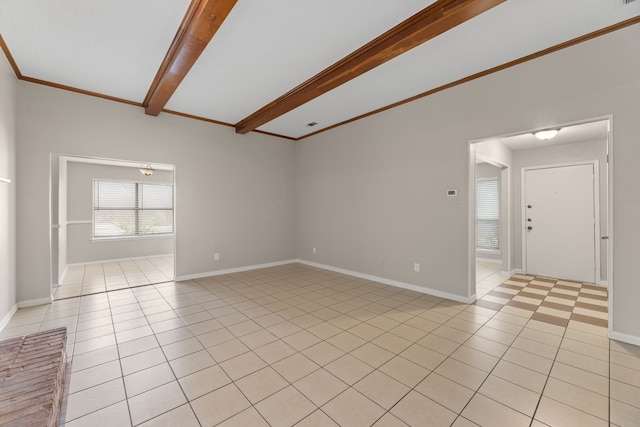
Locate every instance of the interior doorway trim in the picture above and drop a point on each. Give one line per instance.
(609, 147)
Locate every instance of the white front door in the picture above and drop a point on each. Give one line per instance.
(559, 222)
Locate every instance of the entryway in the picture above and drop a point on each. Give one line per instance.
(560, 222)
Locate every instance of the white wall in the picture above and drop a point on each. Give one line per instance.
(80, 246)
(371, 194)
(8, 84)
(559, 154)
(234, 194)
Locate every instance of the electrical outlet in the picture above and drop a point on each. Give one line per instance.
(314, 249)
(216, 256)
(416, 267)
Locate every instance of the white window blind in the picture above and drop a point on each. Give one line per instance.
(126, 208)
(487, 214)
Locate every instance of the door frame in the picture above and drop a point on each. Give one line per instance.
(596, 208)
(471, 228)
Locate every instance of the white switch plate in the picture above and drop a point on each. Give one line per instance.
(416, 267)
(216, 256)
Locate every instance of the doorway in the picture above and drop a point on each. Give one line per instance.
(561, 221)
(585, 142)
(112, 224)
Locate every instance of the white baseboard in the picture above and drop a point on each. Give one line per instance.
(114, 260)
(409, 286)
(489, 260)
(602, 283)
(35, 302)
(629, 339)
(63, 275)
(512, 272)
(7, 318)
(233, 270)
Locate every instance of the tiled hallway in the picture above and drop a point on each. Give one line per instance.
(296, 345)
(87, 279)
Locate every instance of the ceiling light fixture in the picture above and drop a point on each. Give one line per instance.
(312, 124)
(146, 170)
(545, 135)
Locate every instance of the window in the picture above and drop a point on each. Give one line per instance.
(487, 214)
(126, 208)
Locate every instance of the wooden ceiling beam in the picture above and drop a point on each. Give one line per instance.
(427, 24)
(199, 25)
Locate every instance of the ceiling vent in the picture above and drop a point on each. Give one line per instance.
(628, 1)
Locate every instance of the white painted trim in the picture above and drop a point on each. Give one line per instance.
(114, 260)
(234, 270)
(35, 302)
(409, 286)
(512, 272)
(61, 278)
(6, 180)
(489, 260)
(602, 283)
(596, 211)
(7, 318)
(80, 221)
(620, 336)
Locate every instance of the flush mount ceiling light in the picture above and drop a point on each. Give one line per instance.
(146, 170)
(545, 135)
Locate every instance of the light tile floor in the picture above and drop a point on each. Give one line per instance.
(87, 279)
(296, 345)
(488, 276)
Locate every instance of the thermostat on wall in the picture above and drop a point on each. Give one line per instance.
(452, 193)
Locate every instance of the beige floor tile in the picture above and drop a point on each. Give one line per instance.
(452, 334)
(143, 360)
(520, 375)
(439, 344)
(586, 349)
(463, 422)
(582, 361)
(447, 393)
(346, 341)
(181, 348)
(581, 378)
(628, 360)
(247, 418)
(510, 394)
(323, 353)
(381, 389)
(528, 360)
(351, 408)
(487, 412)
(324, 330)
(227, 350)
(155, 402)
(219, 405)
(95, 358)
(285, 408)
(620, 373)
(317, 419)
(95, 398)
(349, 369)
(404, 371)
(366, 332)
(181, 416)
(191, 363)
(204, 381)
(372, 355)
(301, 340)
(320, 386)
(274, 351)
(147, 379)
(623, 414)
(462, 373)
(475, 358)
(95, 375)
(261, 384)
(117, 414)
(554, 413)
(579, 398)
(418, 410)
(294, 367)
(625, 393)
(486, 345)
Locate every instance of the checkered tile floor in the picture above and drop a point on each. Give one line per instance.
(551, 300)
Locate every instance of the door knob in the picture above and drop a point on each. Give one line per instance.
(529, 219)
(529, 228)
(529, 206)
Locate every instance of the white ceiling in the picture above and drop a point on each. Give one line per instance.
(583, 132)
(266, 48)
